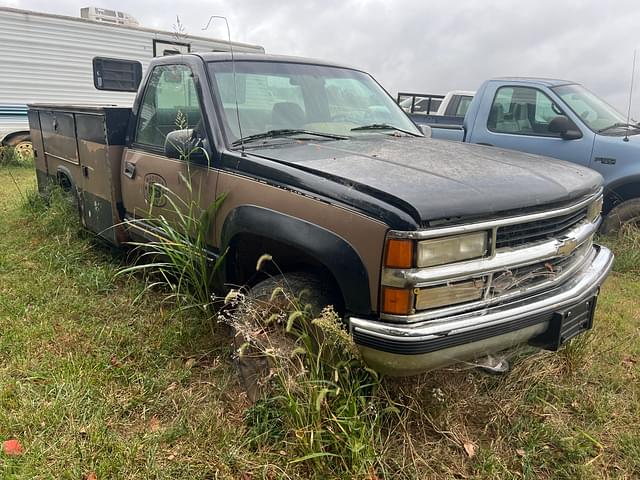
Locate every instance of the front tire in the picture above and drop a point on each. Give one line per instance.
(625, 214)
(254, 367)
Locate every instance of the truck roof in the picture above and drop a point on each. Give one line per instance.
(547, 82)
(262, 57)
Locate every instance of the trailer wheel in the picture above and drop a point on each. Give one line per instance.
(625, 214)
(22, 145)
(254, 336)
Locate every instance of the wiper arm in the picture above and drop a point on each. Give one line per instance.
(618, 125)
(286, 132)
(383, 126)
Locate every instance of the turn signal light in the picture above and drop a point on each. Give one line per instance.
(399, 253)
(396, 301)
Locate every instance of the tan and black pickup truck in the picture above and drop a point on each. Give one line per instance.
(438, 252)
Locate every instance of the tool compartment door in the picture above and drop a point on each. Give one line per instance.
(100, 145)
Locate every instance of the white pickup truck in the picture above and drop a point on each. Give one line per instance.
(454, 103)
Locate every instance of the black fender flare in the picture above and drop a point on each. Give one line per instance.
(330, 250)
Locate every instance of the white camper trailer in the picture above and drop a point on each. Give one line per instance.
(48, 58)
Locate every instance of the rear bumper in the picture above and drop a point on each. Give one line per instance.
(409, 349)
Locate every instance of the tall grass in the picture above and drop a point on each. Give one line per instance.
(177, 255)
(324, 407)
(626, 246)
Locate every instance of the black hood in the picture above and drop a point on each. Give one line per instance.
(435, 179)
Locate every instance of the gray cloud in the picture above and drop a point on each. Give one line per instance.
(425, 46)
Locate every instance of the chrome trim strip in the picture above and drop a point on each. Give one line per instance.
(505, 258)
(489, 224)
(584, 284)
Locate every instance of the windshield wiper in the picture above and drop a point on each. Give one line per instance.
(383, 126)
(286, 132)
(618, 125)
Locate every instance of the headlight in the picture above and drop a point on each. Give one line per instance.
(451, 249)
(594, 209)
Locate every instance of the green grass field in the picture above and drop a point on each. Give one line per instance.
(93, 382)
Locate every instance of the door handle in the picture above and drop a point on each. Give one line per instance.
(129, 169)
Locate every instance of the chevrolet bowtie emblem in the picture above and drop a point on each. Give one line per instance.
(567, 246)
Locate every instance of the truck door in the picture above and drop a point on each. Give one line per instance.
(518, 117)
(152, 183)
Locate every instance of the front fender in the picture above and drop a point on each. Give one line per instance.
(330, 250)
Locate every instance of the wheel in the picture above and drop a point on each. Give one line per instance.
(22, 146)
(253, 333)
(627, 213)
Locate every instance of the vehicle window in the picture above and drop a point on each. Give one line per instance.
(280, 95)
(522, 111)
(595, 112)
(170, 103)
(463, 106)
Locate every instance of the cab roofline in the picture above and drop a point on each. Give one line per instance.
(263, 57)
(548, 82)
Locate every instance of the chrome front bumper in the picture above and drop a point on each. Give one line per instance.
(409, 349)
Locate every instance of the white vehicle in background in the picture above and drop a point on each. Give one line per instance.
(454, 104)
(49, 58)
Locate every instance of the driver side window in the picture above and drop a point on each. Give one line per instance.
(170, 102)
(522, 111)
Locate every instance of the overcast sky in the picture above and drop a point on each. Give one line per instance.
(421, 45)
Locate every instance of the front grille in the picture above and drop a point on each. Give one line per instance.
(529, 232)
(534, 275)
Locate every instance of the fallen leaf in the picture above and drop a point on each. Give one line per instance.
(521, 452)
(470, 448)
(91, 476)
(154, 424)
(115, 362)
(12, 447)
(246, 476)
(629, 361)
(190, 363)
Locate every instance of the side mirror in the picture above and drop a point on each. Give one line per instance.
(185, 145)
(426, 130)
(565, 128)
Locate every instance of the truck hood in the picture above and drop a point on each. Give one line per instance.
(432, 180)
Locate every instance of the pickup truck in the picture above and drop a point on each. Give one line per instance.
(454, 104)
(435, 252)
(560, 119)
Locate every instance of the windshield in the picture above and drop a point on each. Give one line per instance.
(274, 96)
(594, 111)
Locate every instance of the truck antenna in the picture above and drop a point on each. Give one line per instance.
(633, 71)
(233, 67)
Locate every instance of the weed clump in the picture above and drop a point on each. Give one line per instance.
(626, 246)
(176, 257)
(54, 209)
(321, 404)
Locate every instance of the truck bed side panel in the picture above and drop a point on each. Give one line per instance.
(85, 145)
